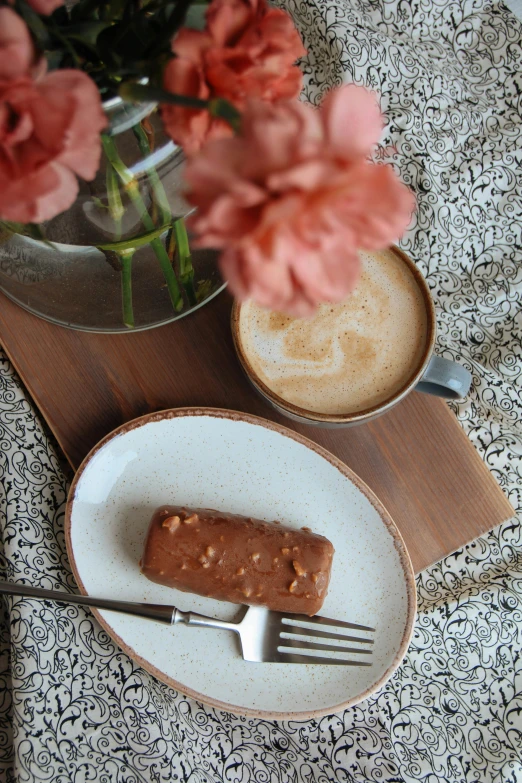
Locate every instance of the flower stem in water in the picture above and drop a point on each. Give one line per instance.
(116, 208)
(186, 270)
(132, 188)
(126, 288)
(158, 191)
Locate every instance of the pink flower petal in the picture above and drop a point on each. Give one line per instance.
(191, 44)
(292, 200)
(45, 7)
(70, 104)
(353, 121)
(274, 34)
(188, 127)
(39, 196)
(247, 50)
(214, 170)
(377, 205)
(226, 222)
(49, 131)
(16, 48)
(15, 130)
(227, 19)
(279, 135)
(306, 176)
(232, 269)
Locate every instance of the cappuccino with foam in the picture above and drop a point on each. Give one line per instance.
(349, 357)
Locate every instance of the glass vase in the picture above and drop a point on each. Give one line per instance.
(120, 257)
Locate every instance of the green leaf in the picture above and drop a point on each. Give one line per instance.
(195, 17)
(67, 45)
(35, 23)
(60, 15)
(125, 42)
(87, 9)
(116, 8)
(105, 48)
(172, 25)
(54, 59)
(85, 32)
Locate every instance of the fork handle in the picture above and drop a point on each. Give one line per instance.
(162, 614)
(170, 615)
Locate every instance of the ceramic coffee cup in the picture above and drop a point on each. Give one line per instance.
(391, 279)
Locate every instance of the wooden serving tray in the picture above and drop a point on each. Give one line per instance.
(416, 458)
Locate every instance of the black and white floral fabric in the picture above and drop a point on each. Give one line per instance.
(73, 707)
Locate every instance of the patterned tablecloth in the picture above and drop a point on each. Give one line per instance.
(73, 707)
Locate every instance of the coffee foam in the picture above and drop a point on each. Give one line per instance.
(350, 356)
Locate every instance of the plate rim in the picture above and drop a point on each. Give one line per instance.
(232, 415)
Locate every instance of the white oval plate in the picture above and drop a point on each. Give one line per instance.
(242, 464)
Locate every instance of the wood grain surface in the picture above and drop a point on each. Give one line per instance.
(416, 458)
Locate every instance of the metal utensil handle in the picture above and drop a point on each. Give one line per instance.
(162, 614)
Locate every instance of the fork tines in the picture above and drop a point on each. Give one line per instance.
(319, 620)
(302, 650)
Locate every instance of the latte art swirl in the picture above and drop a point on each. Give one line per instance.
(350, 356)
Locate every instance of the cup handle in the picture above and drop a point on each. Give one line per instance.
(444, 378)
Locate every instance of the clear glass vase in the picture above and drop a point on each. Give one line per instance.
(119, 258)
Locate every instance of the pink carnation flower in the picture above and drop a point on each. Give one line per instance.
(16, 49)
(49, 130)
(292, 200)
(44, 7)
(246, 50)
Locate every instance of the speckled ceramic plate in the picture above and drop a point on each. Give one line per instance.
(243, 464)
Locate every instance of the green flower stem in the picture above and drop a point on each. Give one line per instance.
(126, 287)
(116, 208)
(141, 93)
(132, 188)
(114, 159)
(168, 274)
(218, 107)
(222, 109)
(136, 242)
(160, 197)
(186, 270)
(67, 44)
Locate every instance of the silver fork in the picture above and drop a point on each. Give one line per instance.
(265, 636)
